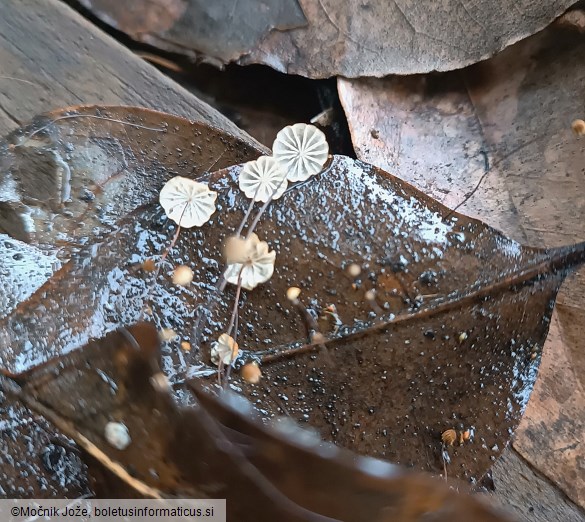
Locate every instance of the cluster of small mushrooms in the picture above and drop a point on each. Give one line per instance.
(299, 152)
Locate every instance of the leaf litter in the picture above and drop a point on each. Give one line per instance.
(218, 448)
(453, 341)
(325, 38)
(499, 139)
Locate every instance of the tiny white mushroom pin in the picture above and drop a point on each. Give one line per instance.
(263, 179)
(187, 202)
(117, 435)
(236, 250)
(301, 150)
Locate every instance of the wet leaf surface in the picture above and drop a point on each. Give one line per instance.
(324, 38)
(218, 449)
(42, 205)
(452, 342)
(501, 132)
(56, 470)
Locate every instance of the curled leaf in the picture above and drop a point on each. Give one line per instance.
(220, 448)
(325, 38)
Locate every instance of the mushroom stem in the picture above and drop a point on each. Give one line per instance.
(221, 283)
(370, 297)
(170, 247)
(314, 335)
(233, 324)
(258, 216)
(444, 458)
(262, 209)
(233, 318)
(308, 320)
(246, 216)
(207, 310)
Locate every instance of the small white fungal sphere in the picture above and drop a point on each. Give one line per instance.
(117, 435)
(182, 275)
(354, 270)
(292, 294)
(370, 295)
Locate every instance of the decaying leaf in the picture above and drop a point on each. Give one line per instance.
(35, 461)
(217, 449)
(323, 38)
(37, 192)
(500, 131)
(179, 24)
(450, 339)
(53, 175)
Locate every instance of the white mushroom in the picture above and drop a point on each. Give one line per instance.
(255, 266)
(263, 179)
(188, 203)
(225, 349)
(292, 294)
(301, 150)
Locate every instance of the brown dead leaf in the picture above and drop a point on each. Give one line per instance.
(35, 462)
(221, 31)
(323, 38)
(453, 341)
(219, 449)
(501, 132)
(55, 179)
(35, 179)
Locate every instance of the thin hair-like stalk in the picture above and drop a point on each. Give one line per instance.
(233, 324)
(221, 282)
(246, 216)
